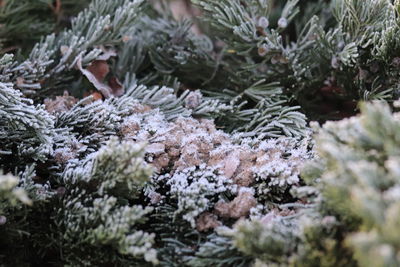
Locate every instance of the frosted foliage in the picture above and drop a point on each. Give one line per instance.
(94, 212)
(107, 223)
(91, 124)
(99, 170)
(10, 193)
(269, 240)
(131, 138)
(195, 189)
(278, 169)
(186, 142)
(210, 174)
(101, 23)
(30, 128)
(100, 167)
(360, 180)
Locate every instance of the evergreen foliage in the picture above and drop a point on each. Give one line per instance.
(131, 136)
(360, 179)
(24, 22)
(351, 219)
